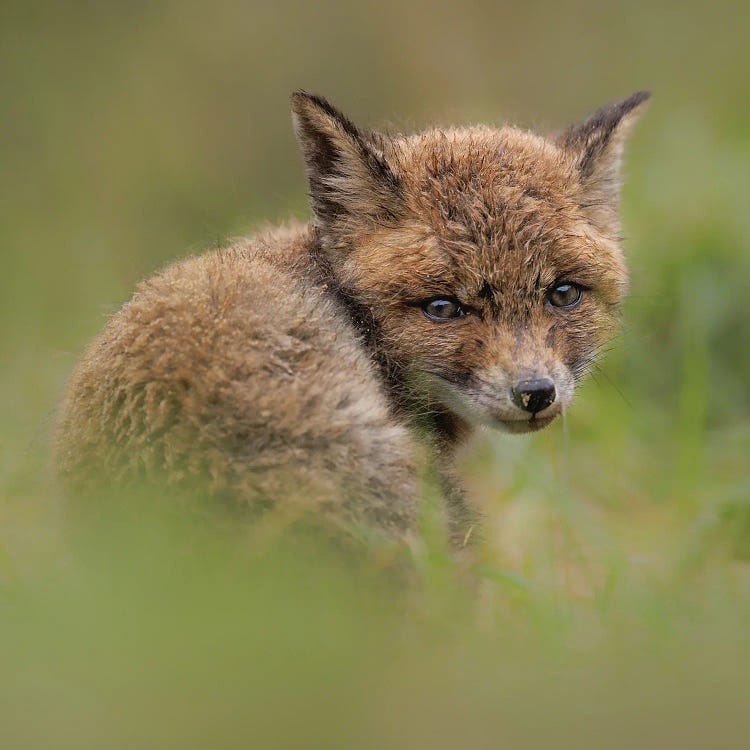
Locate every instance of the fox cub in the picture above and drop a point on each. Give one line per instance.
(450, 279)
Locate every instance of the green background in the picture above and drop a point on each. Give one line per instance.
(611, 605)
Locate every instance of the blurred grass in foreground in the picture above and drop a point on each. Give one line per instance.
(160, 630)
(609, 605)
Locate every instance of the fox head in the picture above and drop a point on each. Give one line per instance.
(485, 264)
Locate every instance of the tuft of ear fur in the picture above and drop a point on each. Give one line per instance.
(349, 176)
(596, 146)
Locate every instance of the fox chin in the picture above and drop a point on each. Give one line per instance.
(449, 279)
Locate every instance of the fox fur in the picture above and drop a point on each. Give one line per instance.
(299, 369)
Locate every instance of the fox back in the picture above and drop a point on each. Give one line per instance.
(450, 279)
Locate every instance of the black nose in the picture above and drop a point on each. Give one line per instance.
(534, 395)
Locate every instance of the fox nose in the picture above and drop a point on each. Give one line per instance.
(534, 395)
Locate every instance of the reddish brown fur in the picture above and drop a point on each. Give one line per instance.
(297, 366)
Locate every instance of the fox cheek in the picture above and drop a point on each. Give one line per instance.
(580, 357)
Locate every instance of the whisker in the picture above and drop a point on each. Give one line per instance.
(614, 385)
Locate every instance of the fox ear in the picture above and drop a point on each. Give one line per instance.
(596, 146)
(347, 171)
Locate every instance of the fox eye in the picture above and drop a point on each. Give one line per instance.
(565, 295)
(443, 309)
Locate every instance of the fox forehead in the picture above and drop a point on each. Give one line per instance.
(489, 212)
(474, 176)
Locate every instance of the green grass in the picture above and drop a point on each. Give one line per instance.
(610, 602)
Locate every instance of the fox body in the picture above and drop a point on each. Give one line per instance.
(449, 279)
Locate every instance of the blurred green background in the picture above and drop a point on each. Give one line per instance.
(611, 604)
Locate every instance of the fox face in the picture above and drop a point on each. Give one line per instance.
(483, 265)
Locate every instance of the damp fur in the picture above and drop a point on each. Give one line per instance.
(296, 371)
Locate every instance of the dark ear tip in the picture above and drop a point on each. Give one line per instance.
(302, 101)
(300, 98)
(311, 108)
(636, 99)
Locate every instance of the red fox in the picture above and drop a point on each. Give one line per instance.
(450, 279)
